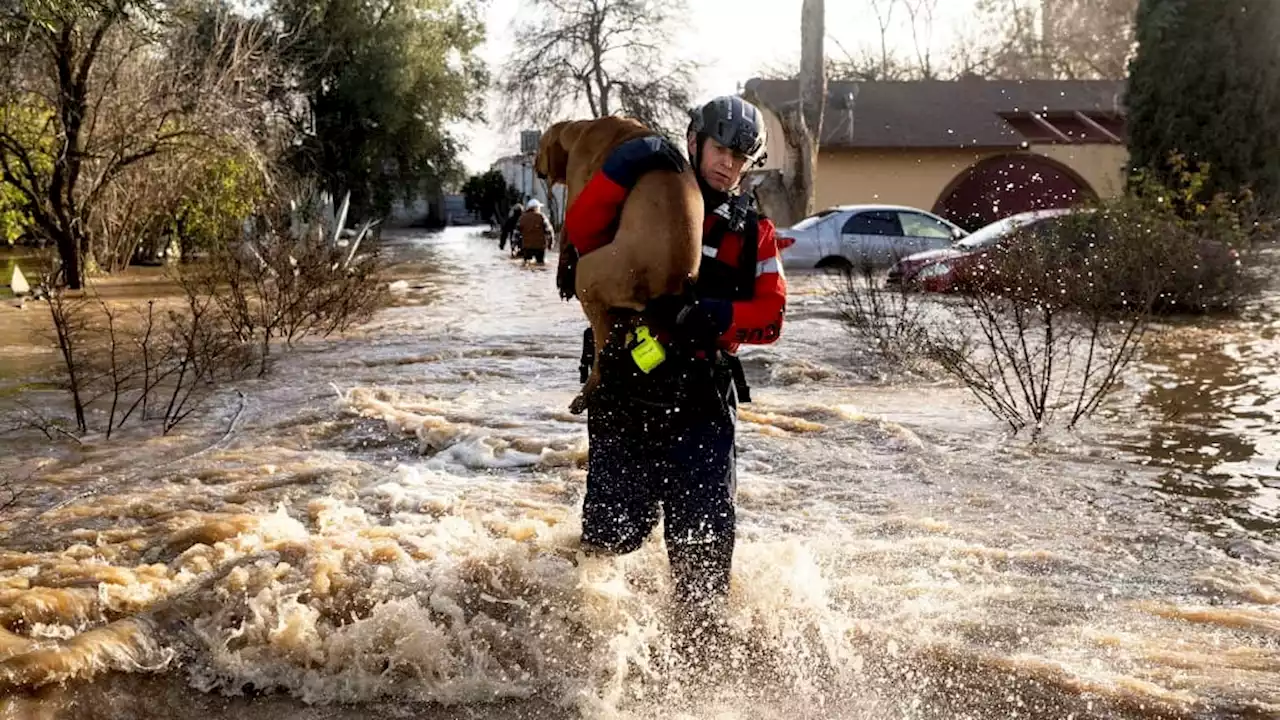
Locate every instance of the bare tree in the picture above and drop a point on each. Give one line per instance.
(886, 62)
(801, 121)
(599, 56)
(1050, 39)
(920, 15)
(883, 10)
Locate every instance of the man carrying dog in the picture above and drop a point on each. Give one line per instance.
(662, 438)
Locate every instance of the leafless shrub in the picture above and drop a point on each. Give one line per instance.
(890, 320)
(1025, 361)
(144, 363)
(202, 353)
(71, 330)
(283, 286)
(1057, 316)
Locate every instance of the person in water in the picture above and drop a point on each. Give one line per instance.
(663, 440)
(536, 233)
(509, 227)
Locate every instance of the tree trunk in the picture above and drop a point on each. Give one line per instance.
(791, 195)
(806, 119)
(597, 60)
(69, 253)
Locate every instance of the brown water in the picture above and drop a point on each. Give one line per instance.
(391, 528)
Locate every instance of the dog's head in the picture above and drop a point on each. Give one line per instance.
(552, 162)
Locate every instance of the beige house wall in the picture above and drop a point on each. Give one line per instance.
(1102, 166)
(898, 177)
(918, 177)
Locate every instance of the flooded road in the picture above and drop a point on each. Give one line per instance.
(390, 530)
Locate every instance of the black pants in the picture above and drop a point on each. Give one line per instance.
(647, 456)
(540, 255)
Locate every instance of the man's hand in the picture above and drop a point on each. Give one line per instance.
(705, 320)
(634, 158)
(567, 271)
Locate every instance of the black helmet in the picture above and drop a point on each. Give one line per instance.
(732, 122)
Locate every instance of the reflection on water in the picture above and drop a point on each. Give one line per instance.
(1210, 399)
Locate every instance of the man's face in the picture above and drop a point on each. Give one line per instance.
(721, 166)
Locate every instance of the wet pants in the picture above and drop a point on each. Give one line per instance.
(647, 459)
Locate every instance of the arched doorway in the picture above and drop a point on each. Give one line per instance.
(1004, 185)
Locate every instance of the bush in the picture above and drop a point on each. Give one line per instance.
(892, 323)
(1058, 311)
(160, 361)
(290, 281)
(143, 362)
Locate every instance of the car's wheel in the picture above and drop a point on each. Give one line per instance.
(835, 264)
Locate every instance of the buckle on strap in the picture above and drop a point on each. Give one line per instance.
(739, 377)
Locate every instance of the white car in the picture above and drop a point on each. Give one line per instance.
(876, 236)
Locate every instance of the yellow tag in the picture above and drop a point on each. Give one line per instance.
(648, 352)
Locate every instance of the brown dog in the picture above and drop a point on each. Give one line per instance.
(658, 245)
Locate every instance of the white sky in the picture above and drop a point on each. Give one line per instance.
(735, 39)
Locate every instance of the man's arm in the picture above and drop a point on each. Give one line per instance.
(589, 220)
(758, 321)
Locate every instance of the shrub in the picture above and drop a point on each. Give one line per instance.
(891, 322)
(160, 361)
(1058, 311)
(291, 280)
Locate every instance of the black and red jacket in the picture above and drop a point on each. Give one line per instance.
(738, 265)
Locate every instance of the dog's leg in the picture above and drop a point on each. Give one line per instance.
(600, 329)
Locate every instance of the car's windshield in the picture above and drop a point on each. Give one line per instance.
(812, 220)
(992, 233)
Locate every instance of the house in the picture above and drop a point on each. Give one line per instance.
(971, 150)
(518, 171)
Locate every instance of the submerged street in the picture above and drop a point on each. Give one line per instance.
(390, 527)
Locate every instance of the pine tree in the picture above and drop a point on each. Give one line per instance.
(1205, 83)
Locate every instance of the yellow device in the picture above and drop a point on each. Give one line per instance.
(647, 352)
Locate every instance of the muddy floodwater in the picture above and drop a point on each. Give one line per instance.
(390, 529)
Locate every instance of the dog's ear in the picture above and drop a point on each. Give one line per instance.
(572, 132)
(552, 163)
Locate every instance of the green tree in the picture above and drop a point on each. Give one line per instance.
(1205, 85)
(94, 94)
(223, 193)
(13, 222)
(489, 196)
(380, 80)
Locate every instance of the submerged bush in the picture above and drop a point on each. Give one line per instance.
(1159, 249)
(1046, 321)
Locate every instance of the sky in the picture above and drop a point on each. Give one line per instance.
(734, 40)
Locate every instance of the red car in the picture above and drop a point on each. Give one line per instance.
(948, 269)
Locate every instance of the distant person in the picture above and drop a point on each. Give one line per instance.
(509, 227)
(536, 233)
